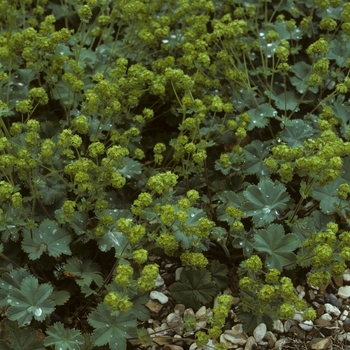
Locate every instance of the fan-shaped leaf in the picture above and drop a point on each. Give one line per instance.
(278, 245)
(265, 202)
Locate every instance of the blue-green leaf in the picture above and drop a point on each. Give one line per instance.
(112, 329)
(265, 201)
(277, 245)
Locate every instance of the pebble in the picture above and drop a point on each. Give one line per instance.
(250, 343)
(321, 344)
(271, 338)
(346, 276)
(278, 326)
(279, 344)
(159, 281)
(326, 317)
(234, 337)
(259, 332)
(306, 325)
(331, 299)
(344, 292)
(161, 297)
(178, 273)
(332, 310)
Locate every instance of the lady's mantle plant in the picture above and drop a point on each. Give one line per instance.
(136, 132)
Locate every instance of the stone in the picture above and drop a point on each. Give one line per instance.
(159, 281)
(306, 325)
(154, 306)
(331, 299)
(344, 292)
(278, 326)
(202, 312)
(161, 297)
(279, 344)
(174, 320)
(259, 332)
(326, 317)
(271, 339)
(234, 337)
(321, 344)
(178, 273)
(250, 343)
(346, 275)
(332, 310)
(179, 309)
(323, 322)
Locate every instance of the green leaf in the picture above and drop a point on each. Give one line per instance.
(30, 301)
(20, 339)
(296, 132)
(83, 271)
(62, 338)
(285, 101)
(194, 289)
(131, 168)
(259, 116)
(302, 72)
(48, 238)
(112, 329)
(277, 245)
(10, 281)
(245, 241)
(327, 196)
(60, 297)
(255, 153)
(51, 189)
(234, 164)
(251, 321)
(265, 201)
(219, 274)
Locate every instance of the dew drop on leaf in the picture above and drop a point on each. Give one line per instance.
(38, 312)
(266, 210)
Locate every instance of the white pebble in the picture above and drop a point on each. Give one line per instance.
(344, 292)
(161, 297)
(332, 310)
(306, 325)
(259, 332)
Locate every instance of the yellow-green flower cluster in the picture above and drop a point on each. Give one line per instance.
(193, 259)
(158, 149)
(220, 313)
(117, 303)
(133, 232)
(162, 182)
(147, 281)
(143, 201)
(168, 243)
(124, 274)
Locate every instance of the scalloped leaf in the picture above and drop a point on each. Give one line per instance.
(278, 245)
(194, 289)
(259, 116)
(112, 329)
(255, 153)
(296, 132)
(327, 196)
(83, 271)
(20, 338)
(302, 72)
(31, 300)
(265, 201)
(219, 274)
(62, 338)
(49, 238)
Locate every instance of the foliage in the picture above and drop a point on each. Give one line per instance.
(136, 135)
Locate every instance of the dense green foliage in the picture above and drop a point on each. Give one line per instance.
(210, 134)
